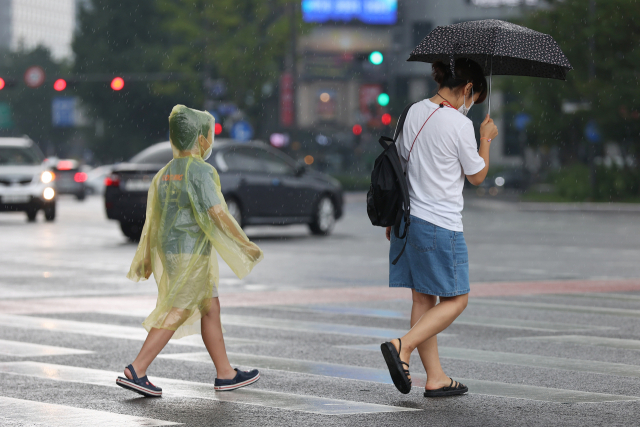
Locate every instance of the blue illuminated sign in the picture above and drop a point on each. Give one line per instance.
(380, 12)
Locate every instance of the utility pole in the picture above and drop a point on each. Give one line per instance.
(293, 61)
(592, 75)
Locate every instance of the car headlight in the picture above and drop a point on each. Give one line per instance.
(47, 177)
(48, 193)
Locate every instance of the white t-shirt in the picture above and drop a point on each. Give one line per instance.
(445, 151)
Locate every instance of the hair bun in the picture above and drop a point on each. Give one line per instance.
(441, 72)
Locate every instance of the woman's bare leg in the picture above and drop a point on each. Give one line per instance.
(214, 341)
(153, 345)
(423, 335)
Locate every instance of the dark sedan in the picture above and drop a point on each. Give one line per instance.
(261, 185)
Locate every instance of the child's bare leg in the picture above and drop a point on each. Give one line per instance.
(214, 341)
(153, 345)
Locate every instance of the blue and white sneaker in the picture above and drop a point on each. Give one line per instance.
(241, 379)
(140, 385)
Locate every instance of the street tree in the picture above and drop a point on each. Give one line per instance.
(241, 42)
(30, 107)
(601, 40)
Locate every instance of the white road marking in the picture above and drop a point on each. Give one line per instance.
(196, 390)
(586, 340)
(303, 326)
(100, 330)
(23, 349)
(51, 415)
(298, 325)
(622, 312)
(491, 388)
(530, 360)
(492, 322)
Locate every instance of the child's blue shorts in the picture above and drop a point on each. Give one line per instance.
(435, 261)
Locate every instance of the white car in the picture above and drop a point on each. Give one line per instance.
(27, 184)
(95, 179)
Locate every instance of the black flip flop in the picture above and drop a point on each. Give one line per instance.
(399, 375)
(447, 391)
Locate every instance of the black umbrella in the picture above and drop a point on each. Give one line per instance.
(500, 47)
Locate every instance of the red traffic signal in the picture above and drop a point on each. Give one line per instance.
(386, 119)
(117, 83)
(357, 130)
(217, 129)
(60, 85)
(2, 84)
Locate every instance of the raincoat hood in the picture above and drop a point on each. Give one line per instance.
(189, 130)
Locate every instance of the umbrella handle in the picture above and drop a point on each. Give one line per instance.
(490, 81)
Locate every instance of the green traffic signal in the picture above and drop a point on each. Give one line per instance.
(376, 58)
(383, 99)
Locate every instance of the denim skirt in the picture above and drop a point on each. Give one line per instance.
(435, 261)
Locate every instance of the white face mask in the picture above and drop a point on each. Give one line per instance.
(463, 108)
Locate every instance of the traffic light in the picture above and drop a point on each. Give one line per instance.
(1, 83)
(383, 99)
(217, 129)
(357, 130)
(376, 58)
(386, 119)
(60, 85)
(117, 83)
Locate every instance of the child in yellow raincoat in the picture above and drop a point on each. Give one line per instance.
(187, 225)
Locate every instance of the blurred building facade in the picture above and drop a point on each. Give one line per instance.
(29, 23)
(338, 85)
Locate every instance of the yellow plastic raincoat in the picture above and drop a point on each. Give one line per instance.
(187, 223)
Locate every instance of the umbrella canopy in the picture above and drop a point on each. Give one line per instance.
(501, 48)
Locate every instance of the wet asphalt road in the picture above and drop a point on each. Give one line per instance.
(71, 321)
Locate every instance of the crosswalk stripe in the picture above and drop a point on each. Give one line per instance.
(622, 312)
(23, 349)
(530, 360)
(586, 340)
(101, 330)
(133, 333)
(188, 389)
(492, 322)
(305, 326)
(491, 388)
(28, 412)
(604, 295)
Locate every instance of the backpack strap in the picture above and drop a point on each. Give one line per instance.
(385, 140)
(405, 186)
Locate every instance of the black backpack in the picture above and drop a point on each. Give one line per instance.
(388, 196)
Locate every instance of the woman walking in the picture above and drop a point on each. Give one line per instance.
(438, 149)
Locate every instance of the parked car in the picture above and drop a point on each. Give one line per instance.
(95, 179)
(261, 186)
(70, 179)
(26, 183)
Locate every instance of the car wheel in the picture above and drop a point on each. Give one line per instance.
(234, 209)
(131, 230)
(32, 214)
(324, 218)
(81, 196)
(50, 212)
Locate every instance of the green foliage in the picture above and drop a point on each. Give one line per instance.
(31, 107)
(240, 41)
(617, 184)
(573, 184)
(112, 40)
